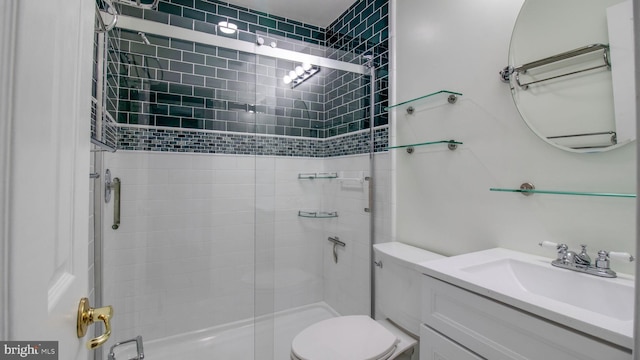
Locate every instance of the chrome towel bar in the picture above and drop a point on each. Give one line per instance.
(522, 69)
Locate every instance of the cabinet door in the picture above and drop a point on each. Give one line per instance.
(434, 346)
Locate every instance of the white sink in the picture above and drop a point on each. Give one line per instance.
(597, 306)
(581, 290)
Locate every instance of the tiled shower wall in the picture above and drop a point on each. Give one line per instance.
(363, 29)
(187, 239)
(173, 83)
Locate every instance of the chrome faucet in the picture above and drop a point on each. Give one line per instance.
(581, 262)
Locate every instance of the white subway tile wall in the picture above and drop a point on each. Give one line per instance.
(211, 239)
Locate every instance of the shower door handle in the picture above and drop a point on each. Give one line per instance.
(116, 203)
(114, 185)
(368, 208)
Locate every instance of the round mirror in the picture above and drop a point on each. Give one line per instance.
(571, 71)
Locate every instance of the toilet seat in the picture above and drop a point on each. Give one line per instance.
(355, 337)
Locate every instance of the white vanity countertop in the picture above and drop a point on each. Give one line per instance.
(596, 306)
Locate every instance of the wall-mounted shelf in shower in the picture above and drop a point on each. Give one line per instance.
(311, 176)
(452, 145)
(451, 97)
(318, 214)
(101, 146)
(528, 189)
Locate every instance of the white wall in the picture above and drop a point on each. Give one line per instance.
(443, 202)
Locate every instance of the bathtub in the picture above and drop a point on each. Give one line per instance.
(267, 338)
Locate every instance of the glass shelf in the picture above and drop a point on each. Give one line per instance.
(452, 98)
(576, 193)
(318, 214)
(311, 176)
(451, 143)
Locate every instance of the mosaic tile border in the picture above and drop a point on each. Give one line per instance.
(178, 140)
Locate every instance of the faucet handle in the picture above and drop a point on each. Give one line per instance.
(583, 257)
(561, 248)
(621, 256)
(552, 245)
(602, 262)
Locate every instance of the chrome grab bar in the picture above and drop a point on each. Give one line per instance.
(139, 348)
(336, 242)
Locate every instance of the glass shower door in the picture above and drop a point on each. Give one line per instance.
(180, 269)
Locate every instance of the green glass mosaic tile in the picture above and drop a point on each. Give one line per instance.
(183, 22)
(204, 27)
(194, 14)
(180, 89)
(227, 11)
(248, 17)
(156, 16)
(215, 19)
(267, 22)
(205, 6)
(283, 26)
(191, 123)
(169, 8)
(167, 121)
(185, 3)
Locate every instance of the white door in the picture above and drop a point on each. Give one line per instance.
(45, 89)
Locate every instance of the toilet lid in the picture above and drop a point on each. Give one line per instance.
(344, 338)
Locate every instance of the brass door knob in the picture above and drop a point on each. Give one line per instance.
(87, 316)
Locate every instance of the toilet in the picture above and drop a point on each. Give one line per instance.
(358, 337)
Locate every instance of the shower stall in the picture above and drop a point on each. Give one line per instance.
(251, 170)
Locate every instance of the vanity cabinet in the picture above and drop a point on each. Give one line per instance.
(460, 324)
(435, 346)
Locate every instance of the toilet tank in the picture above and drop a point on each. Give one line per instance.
(398, 283)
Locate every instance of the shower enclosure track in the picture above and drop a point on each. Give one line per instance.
(146, 26)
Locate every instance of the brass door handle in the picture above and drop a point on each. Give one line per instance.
(87, 316)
